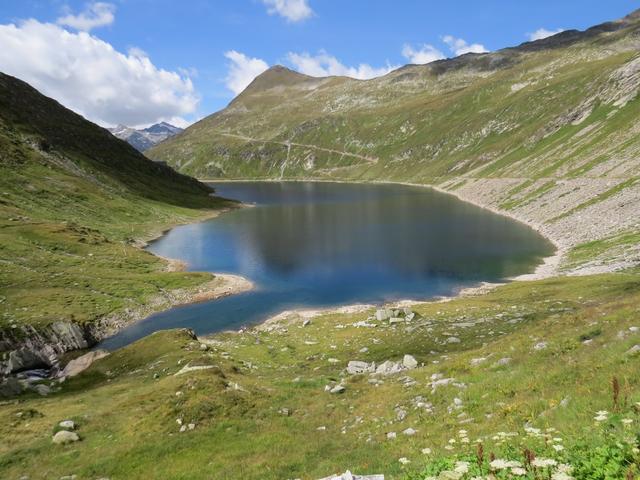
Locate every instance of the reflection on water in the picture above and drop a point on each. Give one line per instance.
(313, 244)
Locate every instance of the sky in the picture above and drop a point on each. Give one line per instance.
(138, 62)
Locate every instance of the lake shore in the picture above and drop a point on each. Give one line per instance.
(548, 268)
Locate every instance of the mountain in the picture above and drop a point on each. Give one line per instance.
(545, 131)
(148, 137)
(75, 205)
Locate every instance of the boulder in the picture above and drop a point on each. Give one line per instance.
(635, 350)
(389, 368)
(41, 389)
(67, 425)
(80, 364)
(395, 320)
(338, 389)
(409, 362)
(10, 387)
(383, 314)
(355, 367)
(63, 437)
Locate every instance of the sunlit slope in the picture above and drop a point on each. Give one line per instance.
(547, 131)
(496, 114)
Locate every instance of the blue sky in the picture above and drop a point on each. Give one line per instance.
(141, 61)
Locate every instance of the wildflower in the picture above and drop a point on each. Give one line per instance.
(558, 448)
(518, 471)
(461, 467)
(543, 462)
(600, 418)
(565, 468)
(627, 421)
(499, 464)
(452, 441)
(448, 447)
(561, 476)
(426, 451)
(404, 460)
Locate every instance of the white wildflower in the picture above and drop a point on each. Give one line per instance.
(543, 462)
(518, 471)
(500, 464)
(558, 448)
(561, 476)
(404, 460)
(426, 451)
(461, 467)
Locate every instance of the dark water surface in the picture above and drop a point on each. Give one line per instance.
(309, 244)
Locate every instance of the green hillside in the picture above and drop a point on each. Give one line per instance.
(75, 202)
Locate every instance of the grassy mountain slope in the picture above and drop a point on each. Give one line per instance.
(74, 202)
(546, 131)
(538, 355)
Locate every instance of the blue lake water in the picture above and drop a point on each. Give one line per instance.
(307, 244)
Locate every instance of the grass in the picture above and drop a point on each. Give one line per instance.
(75, 206)
(127, 404)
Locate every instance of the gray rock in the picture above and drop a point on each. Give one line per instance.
(453, 340)
(80, 364)
(355, 367)
(67, 424)
(338, 389)
(540, 346)
(26, 359)
(306, 322)
(383, 314)
(41, 389)
(634, 350)
(409, 432)
(395, 320)
(63, 437)
(409, 362)
(503, 362)
(10, 387)
(389, 368)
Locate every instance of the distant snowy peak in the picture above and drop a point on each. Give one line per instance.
(145, 138)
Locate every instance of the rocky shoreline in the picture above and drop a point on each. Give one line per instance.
(29, 348)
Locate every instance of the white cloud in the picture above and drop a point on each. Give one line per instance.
(89, 76)
(323, 65)
(423, 54)
(459, 46)
(543, 33)
(242, 70)
(292, 10)
(98, 14)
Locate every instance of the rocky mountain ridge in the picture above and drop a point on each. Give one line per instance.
(143, 139)
(544, 132)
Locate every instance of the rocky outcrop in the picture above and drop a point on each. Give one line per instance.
(28, 347)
